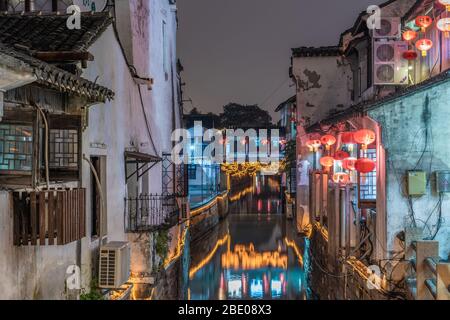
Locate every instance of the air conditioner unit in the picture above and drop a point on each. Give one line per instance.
(114, 264)
(390, 68)
(390, 28)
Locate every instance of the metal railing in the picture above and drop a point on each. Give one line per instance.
(150, 212)
(432, 277)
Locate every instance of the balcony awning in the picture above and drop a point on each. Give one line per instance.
(141, 160)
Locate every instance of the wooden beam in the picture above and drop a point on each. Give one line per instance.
(61, 56)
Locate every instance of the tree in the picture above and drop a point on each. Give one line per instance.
(244, 116)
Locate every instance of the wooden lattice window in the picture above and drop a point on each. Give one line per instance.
(16, 148)
(64, 146)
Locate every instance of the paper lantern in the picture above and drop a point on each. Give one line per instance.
(327, 162)
(341, 178)
(410, 55)
(409, 35)
(349, 163)
(445, 3)
(347, 138)
(424, 45)
(444, 26)
(341, 155)
(364, 137)
(313, 145)
(424, 22)
(365, 165)
(328, 140)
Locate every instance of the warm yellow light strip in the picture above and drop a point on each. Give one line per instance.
(178, 251)
(322, 230)
(208, 258)
(294, 246)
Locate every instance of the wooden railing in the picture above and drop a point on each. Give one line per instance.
(50, 217)
(432, 277)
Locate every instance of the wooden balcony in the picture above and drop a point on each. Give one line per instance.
(50, 217)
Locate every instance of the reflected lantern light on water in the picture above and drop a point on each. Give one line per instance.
(424, 45)
(444, 26)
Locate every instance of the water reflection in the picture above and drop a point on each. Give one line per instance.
(253, 254)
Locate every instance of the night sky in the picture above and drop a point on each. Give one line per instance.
(239, 50)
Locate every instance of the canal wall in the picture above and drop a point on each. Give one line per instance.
(331, 279)
(207, 216)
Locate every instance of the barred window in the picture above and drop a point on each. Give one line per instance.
(16, 147)
(368, 181)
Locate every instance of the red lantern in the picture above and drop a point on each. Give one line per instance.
(341, 155)
(410, 55)
(364, 137)
(409, 35)
(347, 138)
(327, 162)
(341, 178)
(424, 22)
(424, 45)
(313, 145)
(365, 165)
(328, 140)
(349, 163)
(445, 3)
(444, 26)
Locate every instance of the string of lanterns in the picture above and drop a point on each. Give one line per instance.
(362, 165)
(424, 22)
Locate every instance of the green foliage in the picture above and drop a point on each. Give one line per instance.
(162, 241)
(94, 292)
(245, 116)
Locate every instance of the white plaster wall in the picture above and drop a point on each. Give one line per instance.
(30, 272)
(403, 138)
(323, 84)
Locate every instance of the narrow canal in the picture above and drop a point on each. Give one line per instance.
(253, 254)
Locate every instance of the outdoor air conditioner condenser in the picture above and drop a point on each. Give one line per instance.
(114, 265)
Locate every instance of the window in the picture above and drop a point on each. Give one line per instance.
(22, 147)
(368, 182)
(192, 171)
(95, 199)
(16, 148)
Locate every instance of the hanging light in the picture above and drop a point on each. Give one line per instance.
(347, 137)
(444, 26)
(364, 137)
(365, 165)
(424, 22)
(424, 45)
(410, 55)
(327, 162)
(341, 178)
(313, 145)
(349, 163)
(341, 155)
(328, 140)
(409, 35)
(445, 3)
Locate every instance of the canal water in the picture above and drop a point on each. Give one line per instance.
(253, 254)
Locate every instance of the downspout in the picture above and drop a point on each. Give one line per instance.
(100, 190)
